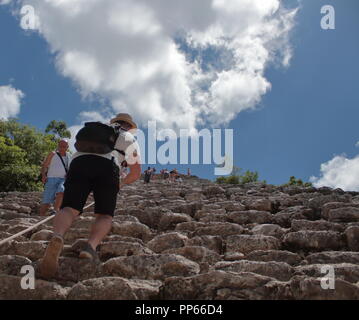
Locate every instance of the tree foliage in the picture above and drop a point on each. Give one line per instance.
(293, 181)
(22, 151)
(236, 177)
(58, 129)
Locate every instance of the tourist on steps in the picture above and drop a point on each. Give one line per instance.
(95, 167)
(53, 174)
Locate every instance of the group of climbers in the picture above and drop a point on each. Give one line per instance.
(107, 157)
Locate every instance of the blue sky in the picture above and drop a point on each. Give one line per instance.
(309, 115)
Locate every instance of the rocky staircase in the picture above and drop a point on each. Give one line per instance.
(195, 240)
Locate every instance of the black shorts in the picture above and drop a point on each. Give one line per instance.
(92, 173)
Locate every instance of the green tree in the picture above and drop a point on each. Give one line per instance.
(248, 177)
(15, 171)
(58, 129)
(22, 151)
(35, 143)
(236, 177)
(293, 181)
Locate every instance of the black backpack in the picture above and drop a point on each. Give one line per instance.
(97, 137)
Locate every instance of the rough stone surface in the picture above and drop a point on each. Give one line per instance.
(251, 216)
(153, 267)
(10, 289)
(194, 240)
(278, 270)
(314, 240)
(248, 243)
(352, 236)
(273, 230)
(167, 241)
(115, 288)
(274, 255)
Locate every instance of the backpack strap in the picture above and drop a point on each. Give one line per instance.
(62, 160)
(124, 162)
(121, 152)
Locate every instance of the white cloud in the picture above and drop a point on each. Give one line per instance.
(3, 2)
(128, 52)
(340, 172)
(10, 101)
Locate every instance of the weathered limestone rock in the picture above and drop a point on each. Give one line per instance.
(114, 288)
(215, 285)
(116, 237)
(232, 206)
(10, 289)
(317, 202)
(284, 217)
(261, 205)
(12, 264)
(250, 216)
(223, 229)
(151, 267)
(247, 243)
(336, 205)
(194, 196)
(5, 235)
(211, 217)
(33, 250)
(112, 249)
(132, 229)
(348, 214)
(345, 271)
(274, 255)
(313, 240)
(319, 225)
(206, 212)
(189, 226)
(9, 214)
(352, 236)
(72, 270)
(167, 241)
(304, 288)
(15, 207)
(213, 191)
(197, 254)
(170, 220)
(214, 243)
(278, 270)
(332, 257)
(148, 216)
(273, 230)
(125, 217)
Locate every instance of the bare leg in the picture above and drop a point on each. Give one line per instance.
(64, 219)
(62, 222)
(44, 208)
(58, 201)
(100, 229)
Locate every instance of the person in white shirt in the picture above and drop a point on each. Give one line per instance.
(94, 168)
(53, 173)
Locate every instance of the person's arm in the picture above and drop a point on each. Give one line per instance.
(45, 167)
(134, 175)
